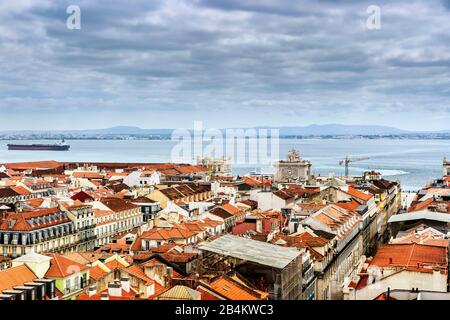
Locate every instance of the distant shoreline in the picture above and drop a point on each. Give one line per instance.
(168, 137)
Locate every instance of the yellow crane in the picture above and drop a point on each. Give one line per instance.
(348, 160)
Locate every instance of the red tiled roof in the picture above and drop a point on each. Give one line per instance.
(36, 202)
(19, 220)
(139, 273)
(15, 276)
(359, 194)
(252, 182)
(233, 290)
(61, 267)
(118, 205)
(348, 205)
(176, 257)
(231, 209)
(167, 234)
(97, 273)
(164, 248)
(417, 257)
(113, 264)
(32, 165)
(21, 190)
(131, 295)
(87, 175)
(207, 295)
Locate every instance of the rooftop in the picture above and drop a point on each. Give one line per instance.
(255, 251)
(32, 257)
(415, 257)
(15, 276)
(419, 215)
(180, 292)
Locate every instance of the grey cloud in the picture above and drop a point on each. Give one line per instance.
(266, 62)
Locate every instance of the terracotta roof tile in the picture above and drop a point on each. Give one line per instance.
(61, 267)
(422, 258)
(15, 276)
(359, 194)
(232, 290)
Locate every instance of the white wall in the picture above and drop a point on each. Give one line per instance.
(434, 281)
(134, 179)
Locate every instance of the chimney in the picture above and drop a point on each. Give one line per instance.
(125, 283)
(104, 296)
(168, 278)
(150, 290)
(92, 290)
(170, 271)
(115, 289)
(259, 227)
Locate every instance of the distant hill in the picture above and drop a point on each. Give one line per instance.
(126, 130)
(119, 130)
(310, 130)
(326, 129)
(340, 129)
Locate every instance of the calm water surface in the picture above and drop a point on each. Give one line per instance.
(412, 162)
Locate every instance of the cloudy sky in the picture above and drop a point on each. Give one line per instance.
(229, 63)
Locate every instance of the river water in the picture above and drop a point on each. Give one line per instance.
(412, 162)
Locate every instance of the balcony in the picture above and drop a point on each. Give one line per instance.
(86, 239)
(66, 246)
(69, 291)
(91, 226)
(305, 266)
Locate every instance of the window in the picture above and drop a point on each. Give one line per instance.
(83, 280)
(68, 285)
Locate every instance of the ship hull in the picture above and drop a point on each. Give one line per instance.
(38, 147)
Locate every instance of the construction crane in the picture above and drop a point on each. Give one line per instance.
(348, 160)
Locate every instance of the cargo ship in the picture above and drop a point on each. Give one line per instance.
(40, 147)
